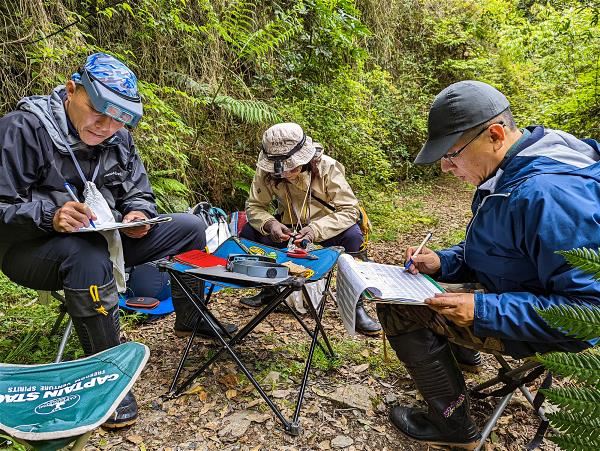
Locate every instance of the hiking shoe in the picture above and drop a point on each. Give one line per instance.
(263, 297)
(125, 414)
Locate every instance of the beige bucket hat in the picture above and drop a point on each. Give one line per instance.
(285, 143)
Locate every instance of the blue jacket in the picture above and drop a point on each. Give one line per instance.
(544, 197)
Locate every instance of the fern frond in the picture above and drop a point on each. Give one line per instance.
(241, 15)
(582, 401)
(170, 194)
(268, 38)
(584, 366)
(240, 30)
(582, 322)
(238, 22)
(586, 427)
(249, 111)
(570, 442)
(587, 260)
(168, 186)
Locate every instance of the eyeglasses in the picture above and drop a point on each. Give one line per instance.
(450, 156)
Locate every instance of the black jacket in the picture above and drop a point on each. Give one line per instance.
(33, 171)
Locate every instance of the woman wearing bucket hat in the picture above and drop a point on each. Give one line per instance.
(314, 203)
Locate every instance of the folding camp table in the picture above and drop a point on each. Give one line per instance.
(321, 268)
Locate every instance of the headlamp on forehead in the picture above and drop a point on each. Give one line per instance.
(278, 159)
(123, 108)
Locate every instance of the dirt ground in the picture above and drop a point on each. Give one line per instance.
(346, 403)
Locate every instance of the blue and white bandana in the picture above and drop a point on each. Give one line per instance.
(111, 72)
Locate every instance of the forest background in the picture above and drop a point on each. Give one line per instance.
(358, 75)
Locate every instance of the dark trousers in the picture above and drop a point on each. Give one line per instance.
(350, 239)
(432, 330)
(78, 260)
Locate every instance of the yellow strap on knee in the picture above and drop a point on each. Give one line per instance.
(96, 299)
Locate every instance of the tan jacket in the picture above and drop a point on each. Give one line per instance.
(331, 186)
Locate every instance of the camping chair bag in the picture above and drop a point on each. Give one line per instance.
(58, 400)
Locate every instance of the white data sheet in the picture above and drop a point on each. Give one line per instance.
(384, 283)
(124, 225)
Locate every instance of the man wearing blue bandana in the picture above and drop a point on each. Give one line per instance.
(77, 135)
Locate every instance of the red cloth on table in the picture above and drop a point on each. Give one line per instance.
(200, 259)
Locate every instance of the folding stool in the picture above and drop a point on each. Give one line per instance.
(514, 379)
(55, 328)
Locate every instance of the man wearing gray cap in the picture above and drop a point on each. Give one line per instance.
(537, 192)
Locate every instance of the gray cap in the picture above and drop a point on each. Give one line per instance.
(458, 108)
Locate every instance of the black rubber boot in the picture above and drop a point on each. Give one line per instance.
(364, 323)
(263, 297)
(437, 377)
(467, 359)
(96, 334)
(186, 315)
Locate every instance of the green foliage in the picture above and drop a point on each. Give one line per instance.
(359, 75)
(452, 238)
(169, 192)
(587, 260)
(578, 419)
(392, 216)
(25, 325)
(573, 442)
(239, 27)
(8, 443)
(248, 110)
(355, 117)
(581, 401)
(584, 366)
(580, 322)
(579, 426)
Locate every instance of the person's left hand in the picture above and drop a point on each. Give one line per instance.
(305, 233)
(457, 307)
(135, 232)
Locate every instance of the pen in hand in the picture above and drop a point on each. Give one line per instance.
(416, 252)
(74, 197)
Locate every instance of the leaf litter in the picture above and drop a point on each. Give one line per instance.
(346, 402)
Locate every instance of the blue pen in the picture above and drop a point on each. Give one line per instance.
(74, 197)
(410, 260)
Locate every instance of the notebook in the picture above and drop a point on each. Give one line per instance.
(384, 283)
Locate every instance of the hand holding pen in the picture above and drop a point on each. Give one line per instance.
(73, 215)
(422, 259)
